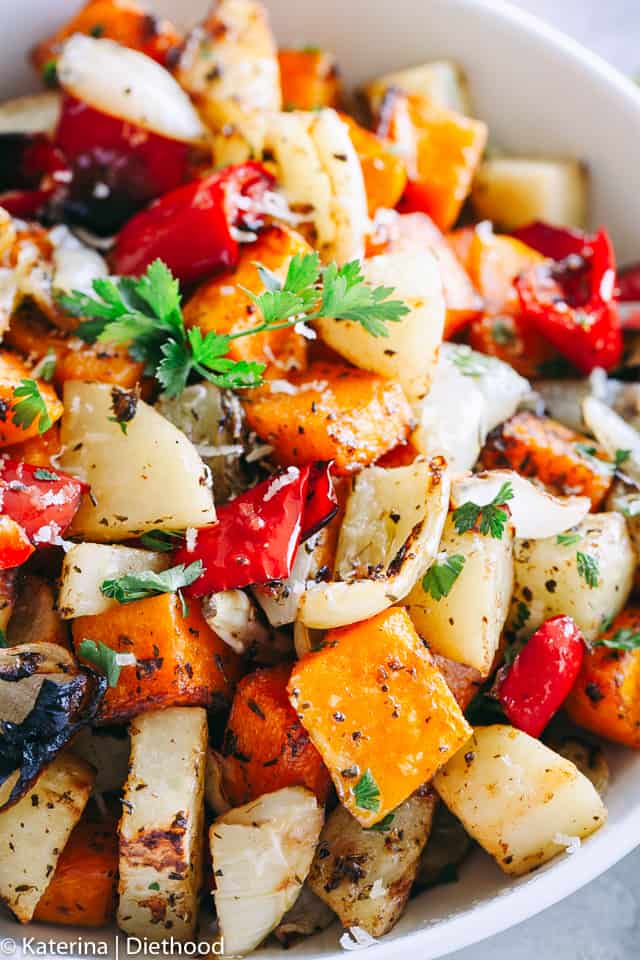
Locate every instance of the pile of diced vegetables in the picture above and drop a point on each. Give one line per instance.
(319, 486)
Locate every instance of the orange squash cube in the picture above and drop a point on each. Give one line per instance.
(449, 150)
(379, 711)
(82, 890)
(180, 661)
(565, 461)
(12, 372)
(220, 306)
(330, 412)
(384, 172)
(309, 79)
(119, 20)
(605, 699)
(265, 746)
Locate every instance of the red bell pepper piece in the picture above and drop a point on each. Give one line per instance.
(15, 546)
(191, 228)
(257, 535)
(32, 168)
(117, 167)
(542, 675)
(571, 301)
(42, 501)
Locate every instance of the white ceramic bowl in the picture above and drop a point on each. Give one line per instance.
(540, 93)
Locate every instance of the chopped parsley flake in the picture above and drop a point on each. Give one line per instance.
(367, 792)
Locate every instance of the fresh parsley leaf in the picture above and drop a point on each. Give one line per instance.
(523, 613)
(346, 296)
(606, 622)
(623, 639)
(588, 569)
(46, 367)
(50, 73)
(138, 586)
(468, 362)
(621, 457)
(586, 449)
(568, 539)
(490, 519)
(41, 474)
(441, 576)
(367, 792)
(30, 406)
(154, 886)
(103, 658)
(162, 541)
(383, 825)
(502, 333)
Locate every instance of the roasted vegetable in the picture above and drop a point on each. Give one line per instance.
(409, 352)
(309, 79)
(35, 830)
(234, 617)
(151, 477)
(82, 890)
(307, 916)
(442, 82)
(18, 423)
(390, 533)
(514, 191)
(448, 845)
(87, 565)
(330, 412)
(179, 661)
(366, 875)
(586, 574)
(565, 461)
(588, 758)
(279, 831)
(265, 746)
(605, 699)
(384, 172)
(35, 618)
(368, 680)
(522, 802)
(160, 834)
(462, 615)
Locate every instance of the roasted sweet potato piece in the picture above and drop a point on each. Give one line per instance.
(265, 746)
(12, 372)
(37, 450)
(75, 359)
(565, 461)
(180, 661)
(449, 150)
(330, 412)
(219, 305)
(606, 697)
(309, 79)
(119, 20)
(512, 338)
(384, 172)
(378, 710)
(35, 618)
(83, 887)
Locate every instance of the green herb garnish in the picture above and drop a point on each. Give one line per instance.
(42, 474)
(490, 519)
(162, 541)
(30, 406)
(523, 613)
(568, 539)
(146, 315)
(139, 586)
(623, 639)
(367, 792)
(441, 576)
(103, 658)
(468, 362)
(383, 825)
(588, 569)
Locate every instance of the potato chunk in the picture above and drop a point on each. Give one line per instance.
(161, 841)
(151, 477)
(521, 801)
(366, 875)
(34, 831)
(261, 854)
(588, 578)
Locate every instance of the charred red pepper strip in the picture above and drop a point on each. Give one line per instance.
(32, 168)
(572, 301)
(15, 546)
(542, 675)
(117, 167)
(557, 243)
(191, 228)
(321, 504)
(42, 501)
(257, 535)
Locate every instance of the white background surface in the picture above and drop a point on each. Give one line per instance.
(601, 921)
